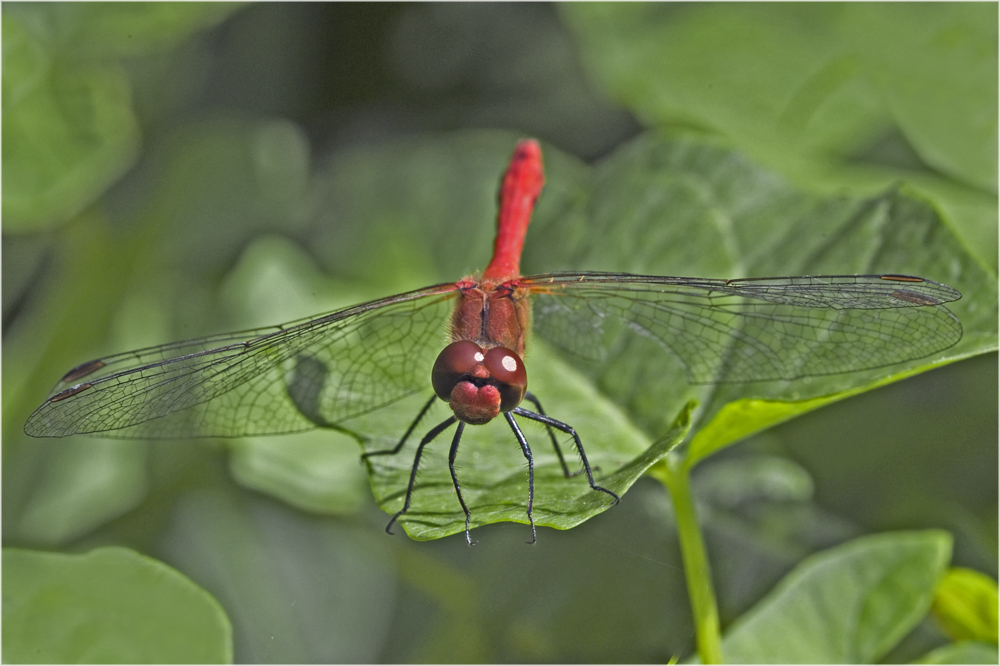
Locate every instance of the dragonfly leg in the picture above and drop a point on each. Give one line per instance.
(454, 478)
(437, 430)
(409, 431)
(531, 470)
(559, 425)
(529, 396)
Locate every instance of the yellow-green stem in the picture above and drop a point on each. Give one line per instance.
(674, 475)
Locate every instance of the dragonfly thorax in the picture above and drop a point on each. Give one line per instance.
(492, 314)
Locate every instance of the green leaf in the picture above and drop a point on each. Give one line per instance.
(493, 474)
(834, 96)
(315, 471)
(84, 484)
(963, 652)
(788, 82)
(935, 66)
(762, 74)
(656, 206)
(965, 603)
(849, 604)
(741, 418)
(110, 605)
(68, 130)
(305, 588)
(684, 207)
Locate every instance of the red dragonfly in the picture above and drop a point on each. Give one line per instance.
(328, 370)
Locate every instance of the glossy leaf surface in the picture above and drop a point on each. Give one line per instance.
(849, 604)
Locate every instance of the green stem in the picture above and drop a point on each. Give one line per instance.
(674, 474)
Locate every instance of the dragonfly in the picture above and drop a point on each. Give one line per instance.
(463, 343)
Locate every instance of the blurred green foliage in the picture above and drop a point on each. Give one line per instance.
(965, 603)
(175, 170)
(69, 129)
(111, 605)
(856, 95)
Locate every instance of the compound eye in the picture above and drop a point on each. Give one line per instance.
(455, 361)
(508, 374)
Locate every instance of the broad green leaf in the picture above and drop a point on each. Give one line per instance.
(656, 206)
(790, 81)
(935, 66)
(741, 418)
(849, 604)
(689, 208)
(112, 606)
(768, 76)
(316, 471)
(84, 484)
(854, 96)
(965, 604)
(298, 588)
(68, 130)
(963, 652)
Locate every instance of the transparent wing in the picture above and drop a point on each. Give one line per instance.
(752, 329)
(319, 371)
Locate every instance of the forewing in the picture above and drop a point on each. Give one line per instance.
(321, 371)
(752, 329)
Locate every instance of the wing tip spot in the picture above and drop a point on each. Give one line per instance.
(70, 392)
(901, 278)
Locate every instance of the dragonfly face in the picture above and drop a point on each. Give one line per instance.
(478, 384)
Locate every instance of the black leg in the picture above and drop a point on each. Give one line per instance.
(406, 436)
(559, 425)
(530, 397)
(437, 430)
(531, 470)
(454, 477)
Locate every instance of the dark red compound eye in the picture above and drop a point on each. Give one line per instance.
(454, 361)
(508, 374)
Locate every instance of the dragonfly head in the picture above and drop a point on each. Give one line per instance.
(478, 384)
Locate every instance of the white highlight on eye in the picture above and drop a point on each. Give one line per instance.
(509, 363)
(479, 357)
